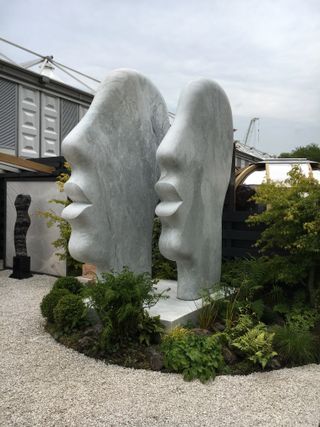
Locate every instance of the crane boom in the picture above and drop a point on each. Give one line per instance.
(250, 129)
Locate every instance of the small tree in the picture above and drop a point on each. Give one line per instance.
(310, 151)
(292, 234)
(64, 227)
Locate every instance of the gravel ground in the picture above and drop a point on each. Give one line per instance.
(45, 384)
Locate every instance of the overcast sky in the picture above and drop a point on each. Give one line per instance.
(265, 54)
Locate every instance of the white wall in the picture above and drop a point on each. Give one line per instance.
(39, 236)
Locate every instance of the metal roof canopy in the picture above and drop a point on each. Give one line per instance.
(48, 64)
(275, 170)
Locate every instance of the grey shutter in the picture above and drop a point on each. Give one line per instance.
(8, 114)
(29, 122)
(69, 117)
(50, 122)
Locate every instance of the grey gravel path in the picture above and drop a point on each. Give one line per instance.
(44, 384)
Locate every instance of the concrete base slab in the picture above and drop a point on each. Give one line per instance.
(84, 280)
(173, 311)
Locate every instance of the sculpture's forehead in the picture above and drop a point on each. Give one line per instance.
(126, 85)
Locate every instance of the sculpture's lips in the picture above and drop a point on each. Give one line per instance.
(167, 208)
(75, 193)
(170, 199)
(74, 210)
(79, 199)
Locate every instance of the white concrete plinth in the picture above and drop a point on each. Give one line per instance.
(84, 280)
(173, 311)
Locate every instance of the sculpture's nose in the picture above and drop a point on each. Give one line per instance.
(166, 155)
(73, 147)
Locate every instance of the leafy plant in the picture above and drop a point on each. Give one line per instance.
(292, 234)
(256, 344)
(209, 311)
(251, 285)
(243, 325)
(192, 355)
(50, 301)
(294, 345)
(302, 318)
(120, 301)
(150, 329)
(69, 313)
(70, 283)
(64, 227)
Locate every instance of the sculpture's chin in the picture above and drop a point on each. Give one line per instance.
(171, 246)
(83, 249)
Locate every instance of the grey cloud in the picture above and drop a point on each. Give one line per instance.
(265, 54)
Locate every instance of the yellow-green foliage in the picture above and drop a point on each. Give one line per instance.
(64, 227)
(253, 340)
(192, 355)
(177, 333)
(256, 344)
(293, 214)
(292, 234)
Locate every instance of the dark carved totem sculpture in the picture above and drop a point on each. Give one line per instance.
(21, 262)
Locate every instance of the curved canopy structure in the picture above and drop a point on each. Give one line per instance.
(275, 170)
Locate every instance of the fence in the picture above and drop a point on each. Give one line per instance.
(237, 237)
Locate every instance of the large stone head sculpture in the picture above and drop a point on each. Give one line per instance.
(195, 161)
(112, 156)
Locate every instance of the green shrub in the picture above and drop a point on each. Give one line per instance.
(303, 318)
(192, 355)
(120, 301)
(256, 344)
(62, 242)
(70, 313)
(292, 228)
(208, 312)
(72, 284)
(294, 345)
(253, 341)
(50, 301)
(243, 325)
(150, 329)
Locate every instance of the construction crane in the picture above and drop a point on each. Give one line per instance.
(250, 130)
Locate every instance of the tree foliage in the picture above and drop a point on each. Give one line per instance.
(61, 244)
(310, 152)
(292, 219)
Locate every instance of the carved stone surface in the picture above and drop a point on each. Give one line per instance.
(22, 224)
(195, 161)
(112, 156)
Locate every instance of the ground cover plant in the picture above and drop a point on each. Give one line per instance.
(267, 316)
(107, 319)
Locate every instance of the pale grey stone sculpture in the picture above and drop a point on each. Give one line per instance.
(195, 161)
(112, 154)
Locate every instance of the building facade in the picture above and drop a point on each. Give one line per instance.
(36, 112)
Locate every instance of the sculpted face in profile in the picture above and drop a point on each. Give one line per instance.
(195, 161)
(112, 155)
